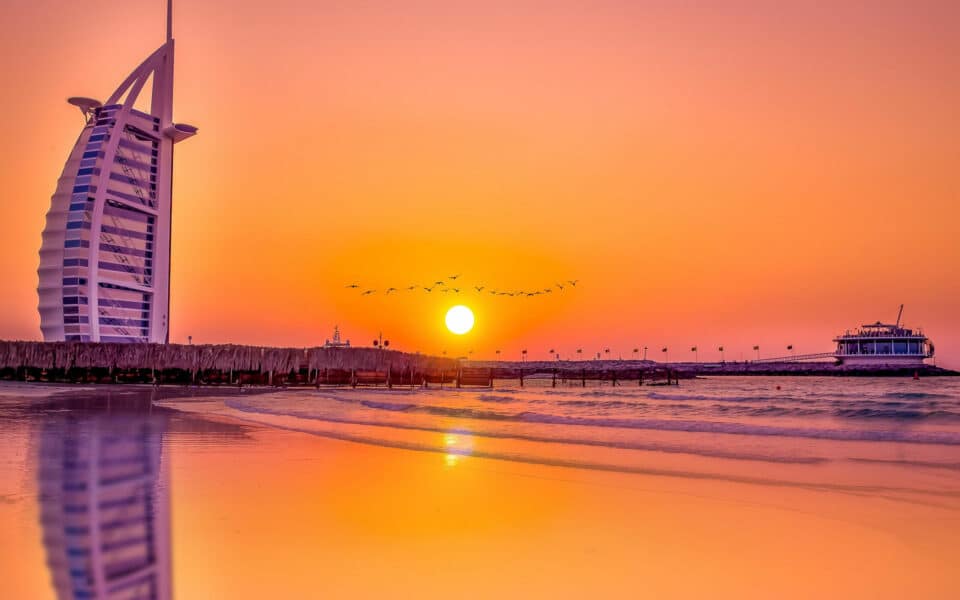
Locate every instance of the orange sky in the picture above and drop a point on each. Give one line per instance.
(752, 173)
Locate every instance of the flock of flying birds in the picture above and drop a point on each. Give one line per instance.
(449, 285)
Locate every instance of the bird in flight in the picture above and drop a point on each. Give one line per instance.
(454, 277)
(368, 292)
(352, 286)
(479, 288)
(428, 289)
(438, 283)
(573, 282)
(455, 290)
(559, 286)
(410, 288)
(391, 290)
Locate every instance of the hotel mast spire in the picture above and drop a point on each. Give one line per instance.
(169, 20)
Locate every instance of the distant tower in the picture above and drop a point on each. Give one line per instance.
(105, 258)
(337, 342)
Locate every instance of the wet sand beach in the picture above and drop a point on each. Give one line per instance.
(702, 491)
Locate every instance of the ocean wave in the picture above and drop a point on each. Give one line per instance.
(916, 437)
(246, 407)
(896, 491)
(441, 411)
(895, 414)
(495, 398)
(915, 395)
(601, 403)
(675, 425)
(766, 411)
(722, 398)
(674, 405)
(393, 406)
(612, 392)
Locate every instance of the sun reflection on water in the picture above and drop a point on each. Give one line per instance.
(457, 446)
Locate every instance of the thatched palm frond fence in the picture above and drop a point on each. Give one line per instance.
(213, 357)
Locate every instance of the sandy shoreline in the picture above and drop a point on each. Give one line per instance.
(261, 510)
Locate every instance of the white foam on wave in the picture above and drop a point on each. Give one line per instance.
(307, 415)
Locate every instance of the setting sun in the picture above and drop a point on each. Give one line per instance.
(459, 319)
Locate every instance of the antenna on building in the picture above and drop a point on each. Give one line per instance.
(899, 314)
(169, 20)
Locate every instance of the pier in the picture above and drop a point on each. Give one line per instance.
(643, 372)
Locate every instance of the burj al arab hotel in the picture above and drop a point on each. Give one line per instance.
(105, 258)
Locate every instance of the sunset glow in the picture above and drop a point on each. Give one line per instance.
(732, 174)
(502, 299)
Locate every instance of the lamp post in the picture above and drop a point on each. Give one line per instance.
(721, 354)
(380, 342)
(696, 356)
(757, 348)
(636, 353)
(792, 351)
(644, 353)
(579, 353)
(666, 355)
(523, 355)
(498, 355)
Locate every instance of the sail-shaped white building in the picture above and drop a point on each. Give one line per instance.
(105, 257)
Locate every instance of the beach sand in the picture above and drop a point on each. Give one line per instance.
(260, 511)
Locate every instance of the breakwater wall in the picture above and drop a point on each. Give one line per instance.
(210, 363)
